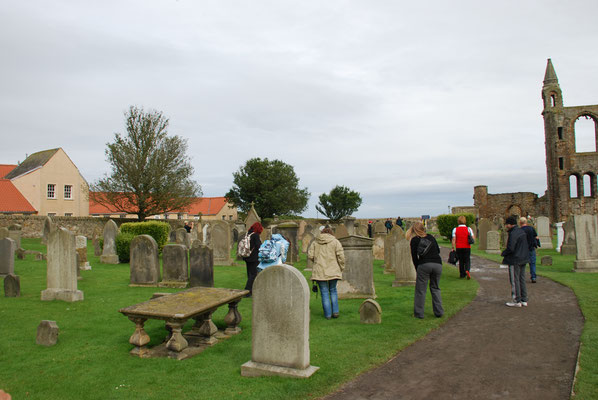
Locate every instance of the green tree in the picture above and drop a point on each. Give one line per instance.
(340, 203)
(272, 186)
(150, 171)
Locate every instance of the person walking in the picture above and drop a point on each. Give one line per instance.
(516, 255)
(425, 254)
(328, 259)
(532, 244)
(399, 222)
(462, 245)
(252, 261)
(388, 225)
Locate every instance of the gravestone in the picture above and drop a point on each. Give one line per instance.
(172, 236)
(543, 229)
(546, 260)
(310, 264)
(46, 229)
(7, 256)
(174, 266)
(378, 228)
(484, 226)
(47, 333)
(362, 230)
(201, 265)
(378, 246)
(20, 252)
(306, 241)
(221, 243)
(206, 233)
(62, 268)
(586, 235)
(14, 232)
(81, 247)
(12, 286)
(4, 233)
(569, 246)
(182, 237)
(349, 223)
(144, 262)
(280, 325)
(358, 276)
(390, 253)
(40, 257)
(493, 242)
(370, 312)
(97, 249)
(109, 251)
(405, 273)
(289, 230)
(341, 231)
(560, 235)
(197, 232)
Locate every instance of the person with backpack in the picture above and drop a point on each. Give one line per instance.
(273, 251)
(388, 225)
(328, 259)
(252, 261)
(425, 254)
(462, 240)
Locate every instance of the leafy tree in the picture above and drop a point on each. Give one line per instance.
(272, 186)
(340, 203)
(447, 222)
(151, 172)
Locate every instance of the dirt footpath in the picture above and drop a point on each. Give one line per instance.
(487, 350)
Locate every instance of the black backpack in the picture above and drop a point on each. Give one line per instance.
(423, 247)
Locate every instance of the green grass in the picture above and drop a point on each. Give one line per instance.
(91, 359)
(585, 287)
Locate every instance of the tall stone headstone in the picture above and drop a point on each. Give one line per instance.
(12, 286)
(144, 262)
(14, 232)
(569, 246)
(221, 243)
(7, 256)
(174, 266)
(484, 226)
(405, 274)
(358, 276)
(81, 247)
(47, 333)
(378, 246)
(280, 325)
(378, 228)
(207, 234)
(390, 253)
(560, 235)
(201, 265)
(586, 236)
(289, 230)
(493, 242)
(183, 237)
(543, 229)
(109, 255)
(62, 267)
(46, 229)
(97, 249)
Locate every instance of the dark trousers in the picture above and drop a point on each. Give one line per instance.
(427, 272)
(251, 274)
(464, 261)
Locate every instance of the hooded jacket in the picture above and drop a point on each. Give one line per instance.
(328, 258)
(517, 252)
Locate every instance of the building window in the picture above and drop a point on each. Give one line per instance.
(560, 132)
(552, 100)
(224, 217)
(51, 214)
(68, 214)
(561, 163)
(230, 217)
(68, 192)
(51, 191)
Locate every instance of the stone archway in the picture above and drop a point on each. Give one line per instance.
(514, 209)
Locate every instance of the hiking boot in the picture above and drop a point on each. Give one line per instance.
(468, 276)
(513, 304)
(524, 303)
(335, 315)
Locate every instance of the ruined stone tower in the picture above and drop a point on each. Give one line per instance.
(567, 170)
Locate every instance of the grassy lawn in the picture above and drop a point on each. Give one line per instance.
(585, 287)
(91, 359)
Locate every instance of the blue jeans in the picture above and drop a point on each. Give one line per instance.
(532, 263)
(329, 297)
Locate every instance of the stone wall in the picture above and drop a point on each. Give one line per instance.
(506, 204)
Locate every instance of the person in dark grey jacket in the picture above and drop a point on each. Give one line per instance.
(516, 255)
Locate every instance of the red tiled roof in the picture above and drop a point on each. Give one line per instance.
(12, 201)
(203, 205)
(5, 169)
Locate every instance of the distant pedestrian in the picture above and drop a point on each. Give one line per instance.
(425, 254)
(251, 262)
(399, 222)
(516, 255)
(370, 229)
(532, 244)
(388, 225)
(328, 259)
(188, 226)
(461, 244)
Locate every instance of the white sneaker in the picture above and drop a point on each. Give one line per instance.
(513, 304)
(524, 303)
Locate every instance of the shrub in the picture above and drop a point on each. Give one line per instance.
(156, 229)
(447, 222)
(123, 246)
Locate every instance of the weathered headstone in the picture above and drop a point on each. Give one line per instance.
(560, 235)
(221, 243)
(183, 237)
(358, 276)
(97, 249)
(47, 333)
(7, 256)
(586, 236)
(62, 267)
(280, 325)
(14, 232)
(206, 233)
(310, 264)
(201, 263)
(306, 241)
(172, 236)
(484, 226)
(144, 262)
(378, 246)
(390, 253)
(20, 252)
(174, 266)
(378, 228)
(349, 223)
(46, 229)
(4, 233)
(12, 286)
(569, 246)
(81, 247)
(40, 257)
(370, 312)
(405, 274)
(341, 231)
(109, 255)
(289, 230)
(543, 230)
(546, 260)
(493, 242)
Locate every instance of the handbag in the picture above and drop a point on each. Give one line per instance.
(470, 239)
(452, 258)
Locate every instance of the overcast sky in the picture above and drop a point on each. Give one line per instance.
(411, 104)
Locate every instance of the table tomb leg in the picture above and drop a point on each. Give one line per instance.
(233, 319)
(139, 338)
(177, 342)
(205, 328)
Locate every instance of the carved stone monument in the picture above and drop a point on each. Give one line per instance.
(175, 266)
(201, 265)
(62, 267)
(7, 256)
(109, 251)
(358, 276)
(144, 263)
(543, 229)
(586, 236)
(370, 312)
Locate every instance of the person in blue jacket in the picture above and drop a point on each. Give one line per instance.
(273, 251)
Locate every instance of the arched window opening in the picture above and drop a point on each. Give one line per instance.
(560, 132)
(585, 134)
(587, 185)
(561, 163)
(514, 210)
(573, 187)
(552, 100)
